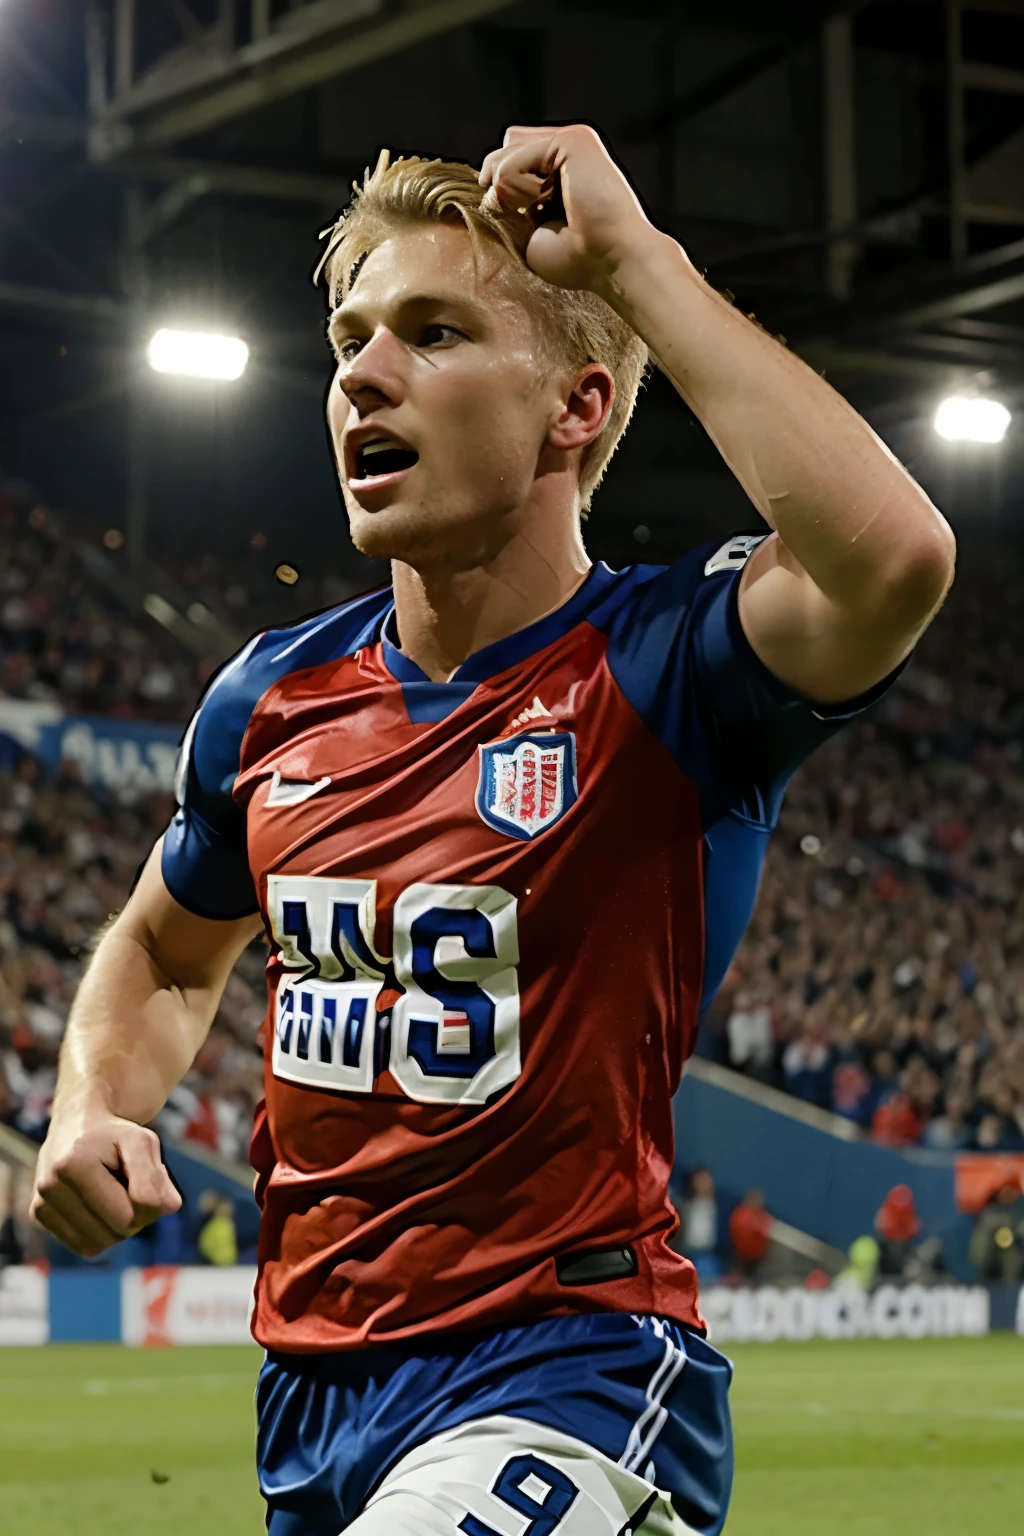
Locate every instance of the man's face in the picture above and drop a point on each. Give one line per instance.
(439, 363)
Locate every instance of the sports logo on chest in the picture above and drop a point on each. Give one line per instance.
(527, 783)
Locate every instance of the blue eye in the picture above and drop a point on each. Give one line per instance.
(348, 350)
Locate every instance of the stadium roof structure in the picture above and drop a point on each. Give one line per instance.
(853, 172)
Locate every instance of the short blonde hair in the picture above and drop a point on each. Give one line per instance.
(575, 326)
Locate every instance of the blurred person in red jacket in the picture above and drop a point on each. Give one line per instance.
(897, 1226)
(895, 1122)
(750, 1232)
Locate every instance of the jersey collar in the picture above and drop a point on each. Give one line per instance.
(502, 654)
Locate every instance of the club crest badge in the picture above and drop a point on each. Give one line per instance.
(527, 783)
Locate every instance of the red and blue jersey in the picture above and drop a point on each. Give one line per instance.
(495, 906)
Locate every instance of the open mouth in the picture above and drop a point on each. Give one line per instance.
(383, 457)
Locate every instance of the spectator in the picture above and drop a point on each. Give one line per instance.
(31, 1077)
(218, 1241)
(883, 973)
(997, 1242)
(749, 1031)
(750, 1232)
(10, 1243)
(950, 1131)
(897, 1226)
(698, 1236)
(895, 1122)
(865, 1257)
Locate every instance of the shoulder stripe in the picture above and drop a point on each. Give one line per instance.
(185, 750)
(308, 634)
(734, 553)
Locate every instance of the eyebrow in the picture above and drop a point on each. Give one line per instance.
(349, 315)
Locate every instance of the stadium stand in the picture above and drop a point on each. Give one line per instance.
(903, 840)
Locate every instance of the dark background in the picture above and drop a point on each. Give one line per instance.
(899, 272)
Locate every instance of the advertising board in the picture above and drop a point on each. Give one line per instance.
(171, 1305)
(844, 1311)
(127, 758)
(24, 1305)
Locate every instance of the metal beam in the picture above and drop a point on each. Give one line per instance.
(837, 61)
(989, 330)
(189, 24)
(968, 349)
(1002, 256)
(970, 302)
(316, 43)
(167, 208)
(96, 57)
(724, 82)
(993, 77)
(828, 354)
(57, 305)
(956, 132)
(124, 46)
(994, 213)
(240, 180)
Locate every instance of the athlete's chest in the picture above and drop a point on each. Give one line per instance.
(435, 867)
(345, 767)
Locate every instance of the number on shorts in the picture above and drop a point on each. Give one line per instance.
(533, 1488)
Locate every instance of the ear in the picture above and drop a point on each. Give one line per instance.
(585, 411)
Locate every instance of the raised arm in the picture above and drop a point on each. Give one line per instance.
(142, 1012)
(862, 559)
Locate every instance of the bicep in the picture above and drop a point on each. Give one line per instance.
(193, 952)
(822, 650)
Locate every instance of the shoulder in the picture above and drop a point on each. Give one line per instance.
(212, 745)
(640, 593)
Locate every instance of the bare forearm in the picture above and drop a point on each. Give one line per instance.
(132, 1034)
(844, 507)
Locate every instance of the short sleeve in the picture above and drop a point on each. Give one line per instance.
(679, 653)
(762, 728)
(205, 862)
(205, 855)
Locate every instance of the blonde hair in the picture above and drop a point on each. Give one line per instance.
(575, 326)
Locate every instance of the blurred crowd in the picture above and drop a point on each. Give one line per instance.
(737, 1242)
(68, 853)
(883, 974)
(66, 639)
(63, 641)
(67, 862)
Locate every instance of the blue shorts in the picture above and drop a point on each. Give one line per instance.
(647, 1393)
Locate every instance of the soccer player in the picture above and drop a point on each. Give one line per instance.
(502, 825)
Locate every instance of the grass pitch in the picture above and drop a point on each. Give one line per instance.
(859, 1439)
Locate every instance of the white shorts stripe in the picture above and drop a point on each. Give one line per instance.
(652, 1421)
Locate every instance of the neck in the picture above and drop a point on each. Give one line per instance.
(446, 611)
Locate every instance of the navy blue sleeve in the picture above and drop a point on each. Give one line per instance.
(678, 652)
(205, 860)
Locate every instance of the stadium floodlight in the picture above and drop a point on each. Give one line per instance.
(972, 419)
(199, 354)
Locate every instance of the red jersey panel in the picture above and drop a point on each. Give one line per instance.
(485, 902)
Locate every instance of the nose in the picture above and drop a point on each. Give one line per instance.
(374, 376)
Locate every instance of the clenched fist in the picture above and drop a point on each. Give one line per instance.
(99, 1179)
(603, 217)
